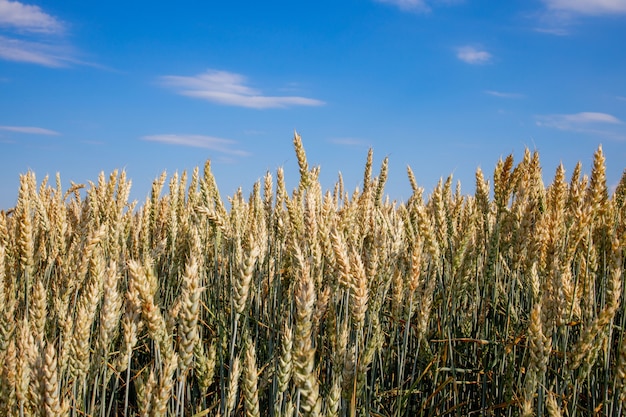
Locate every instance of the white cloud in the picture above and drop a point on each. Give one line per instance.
(407, 5)
(33, 36)
(473, 56)
(558, 16)
(557, 31)
(621, 98)
(417, 5)
(602, 124)
(229, 88)
(29, 130)
(27, 18)
(49, 55)
(501, 94)
(567, 121)
(225, 146)
(93, 142)
(349, 142)
(587, 7)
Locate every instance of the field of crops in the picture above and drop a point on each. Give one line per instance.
(310, 302)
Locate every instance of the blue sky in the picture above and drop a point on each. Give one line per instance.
(444, 86)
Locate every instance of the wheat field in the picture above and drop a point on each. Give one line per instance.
(309, 302)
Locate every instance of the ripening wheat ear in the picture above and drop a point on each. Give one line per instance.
(539, 351)
(4, 231)
(24, 233)
(305, 181)
(163, 391)
(620, 372)
(333, 399)
(552, 405)
(110, 312)
(482, 198)
(367, 175)
(250, 381)
(598, 193)
(189, 335)
(204, 369)
(9, 379)
(268, 184)
(26, 358)
(38, 311)
(190, 310)
(54, 405)
(380, 185)
(8, 303)
(233, 387)
(244, 279)
(111, 309)
(24, 226)
(304, 350)
(588, 345)
(503, 182)
(284, 366)
(359, 292)
(426, 231)
(85, 316)
(130, 327)
(143, 282)
(341, 258)
(620, 193)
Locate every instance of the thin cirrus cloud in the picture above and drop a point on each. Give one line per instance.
(33, 36)
(558, 16)
(224, 146)
(416, 5)
(407, 5)
(584, 122)
(29, 130)
(349, 142)
(228, 88)
(40, 53)
(587, 7)
(474, 56)
(502, 94)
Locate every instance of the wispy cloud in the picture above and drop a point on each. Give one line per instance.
(501, 94)
(566, 121)
(473, 55)
(553, 28)
(33, 36)
(558, 16)
(603, 124)
(621, 98)
(29, 130)
(230, 89)
(28, 18)
(417, 5)
(225, 146)
(349, 142)
(407, 5)
(41, 53)
(93, 142)
(587, 7)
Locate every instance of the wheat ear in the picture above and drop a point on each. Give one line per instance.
(304, 351)
(250, 381)
(233, 387)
